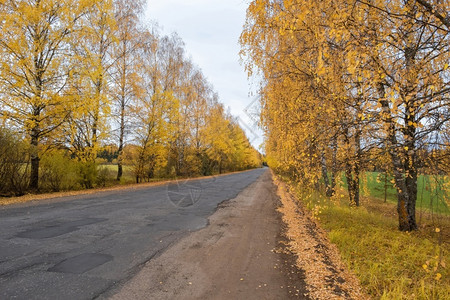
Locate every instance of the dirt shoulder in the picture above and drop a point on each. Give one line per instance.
(240, 255)
(326, 276)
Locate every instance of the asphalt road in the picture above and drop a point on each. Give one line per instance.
(84, 247)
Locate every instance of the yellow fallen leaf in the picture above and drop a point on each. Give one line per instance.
(438, 230)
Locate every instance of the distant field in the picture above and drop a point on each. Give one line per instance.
(113, 168)
(127, 176)
(430, 194)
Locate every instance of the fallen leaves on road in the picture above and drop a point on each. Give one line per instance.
(325, 274)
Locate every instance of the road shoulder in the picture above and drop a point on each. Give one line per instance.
(326, 275)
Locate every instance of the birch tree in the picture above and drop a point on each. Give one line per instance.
(36, 66)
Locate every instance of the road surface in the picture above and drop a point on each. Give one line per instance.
(80, 247)
(83, 247)
(239, 255)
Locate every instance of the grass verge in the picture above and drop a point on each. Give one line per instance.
(389, 264)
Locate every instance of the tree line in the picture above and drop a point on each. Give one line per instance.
(77, 76)
(352, 85)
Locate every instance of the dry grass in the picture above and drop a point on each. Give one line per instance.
(389, 264)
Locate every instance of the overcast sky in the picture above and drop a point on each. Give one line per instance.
(210, 30)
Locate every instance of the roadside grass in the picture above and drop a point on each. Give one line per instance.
(390, 264)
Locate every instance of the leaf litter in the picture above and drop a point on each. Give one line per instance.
(325, 274)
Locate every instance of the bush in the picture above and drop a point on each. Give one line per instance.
(14, 164)
(103, 176)
(58, 172)
(87, 173)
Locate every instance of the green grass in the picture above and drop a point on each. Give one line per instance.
(389, 263)
(127, 175)
(430, 194)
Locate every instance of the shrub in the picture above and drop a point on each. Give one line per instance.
(14, 163)
(87, 173)
(103, 176)
(58, 172)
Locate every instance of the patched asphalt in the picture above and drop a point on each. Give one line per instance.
(83, 247)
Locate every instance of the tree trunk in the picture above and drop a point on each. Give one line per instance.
(406, 206)
(352, 170)
(352, 185)
(408, 201)
(119, 170)
(334, 167)
(357, 165)
(121, 138)
(326, 181)
(34, 155)
(34, 175)
(356, 189)
(408, 198)
(405, 174)
(123, 101)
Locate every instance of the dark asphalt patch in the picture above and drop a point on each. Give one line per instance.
(81, 263)
(55, 229)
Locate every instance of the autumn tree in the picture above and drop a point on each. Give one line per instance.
(129, 39)
(36, 66)
(73, 70)
(93, 48)
(343, 77)
(196, 109)
(409, 58)
(219, 144)
(155, 107)
(196, 97)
